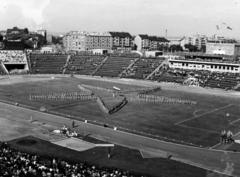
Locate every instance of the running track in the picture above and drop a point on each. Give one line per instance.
(216, 160)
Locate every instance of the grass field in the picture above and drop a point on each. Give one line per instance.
(199, 124)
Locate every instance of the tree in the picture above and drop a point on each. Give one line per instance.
(57, 40)
(25, 30)
(203, 48)
(134, 47)
(191, 48)
(175, 48)
(162, 47)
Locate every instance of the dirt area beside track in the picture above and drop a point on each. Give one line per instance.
(5, 80)
(12, 128)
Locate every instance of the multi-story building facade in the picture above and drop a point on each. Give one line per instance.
(197, 40)
(231, 48)
(176, 41)
(75, 41)
(98, 41)
(42, 32)
(142, 41)
(121, 41)
(84, 41)
(146, 43)
(204, 65)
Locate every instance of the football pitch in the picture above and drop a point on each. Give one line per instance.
(193, 124)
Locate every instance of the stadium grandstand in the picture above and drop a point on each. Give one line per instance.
(142, 68)
(17, 163)
(47, 63)
(198, 72)
(114, 66)
(193, 69)
(84, 64)
(13, 61)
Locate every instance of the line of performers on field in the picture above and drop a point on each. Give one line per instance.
(226, 137)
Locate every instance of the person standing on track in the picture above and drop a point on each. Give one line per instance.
(223, 136)
(73, 124)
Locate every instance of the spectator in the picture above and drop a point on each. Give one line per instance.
(19, 164)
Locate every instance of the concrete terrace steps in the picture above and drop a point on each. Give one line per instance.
(99, 66)
(143, 67)
(85, 65)
(66, 64)
(157, 69)
(29, 62)
(114, 66)
(47, 63)
(129, 67)
(3, 69)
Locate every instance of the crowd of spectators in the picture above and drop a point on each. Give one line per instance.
(128, 55)
(202, 78)
(142, 68)
(84, 64)
(225, 59)
(15, 56)
(226, 137)
(19, 164)
(114, 66)
(47, 63)
(223, 80)
(126, 65)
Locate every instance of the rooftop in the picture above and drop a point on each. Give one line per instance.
(120, 34)
(153, 38)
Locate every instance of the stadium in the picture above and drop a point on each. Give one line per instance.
(167, 107)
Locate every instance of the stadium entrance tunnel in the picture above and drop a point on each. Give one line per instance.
(12, 67)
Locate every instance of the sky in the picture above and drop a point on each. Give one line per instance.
(178, 17)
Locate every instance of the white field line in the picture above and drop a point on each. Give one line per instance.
(214, 146)
(238, 133)
(234, 121)
(195, 117)
(201, 129)
(104, 145)
(195, 112)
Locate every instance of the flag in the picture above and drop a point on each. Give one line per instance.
(229, 28)
(217, 27)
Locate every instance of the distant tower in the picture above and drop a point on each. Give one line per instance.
(166, 31)
(43, 33)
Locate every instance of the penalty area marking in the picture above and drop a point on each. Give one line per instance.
(201, 129)
(234, 121)
(236, 134)
(195, 117)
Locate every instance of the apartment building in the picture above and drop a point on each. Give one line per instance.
(145, 42)
(96, 40)
(225, 47)
(121, 41)
(75, 41)
(84, 41)
(197, 40)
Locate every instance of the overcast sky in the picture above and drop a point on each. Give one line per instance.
(179, 17)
